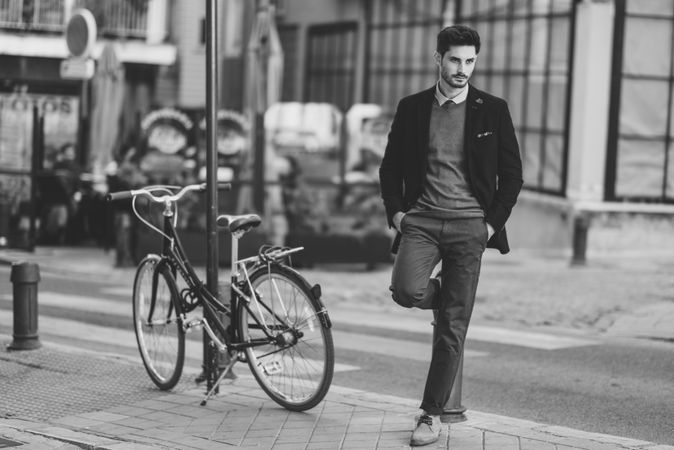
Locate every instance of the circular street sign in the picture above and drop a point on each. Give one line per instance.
(81, 33)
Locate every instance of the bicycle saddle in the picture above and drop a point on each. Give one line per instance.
(244, 222)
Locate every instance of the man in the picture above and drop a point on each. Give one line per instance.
(450, 176)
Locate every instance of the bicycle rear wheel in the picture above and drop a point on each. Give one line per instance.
(159, 333)
(295, 369)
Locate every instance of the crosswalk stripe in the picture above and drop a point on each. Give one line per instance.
(412, 322)
(349, 341)
(80, 303)
(418, 321)
(119, 291)
(77, 330)
(529, 339)
(417, 351)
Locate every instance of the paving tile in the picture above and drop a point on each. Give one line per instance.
(323, 446)
(396, 427)
(326, 437)
(530, 444)
(130, 411)
(135, 422)
(298, 425)
(261, 433)
(358, 446)
(258, 445)
(391, 444)
(157, 405)
(129, 446)
(362, 437)
(76, 422)
(497, 441)
(103, 416)
(295, 437)
(292, 446)
(466, 438)
(363, 428)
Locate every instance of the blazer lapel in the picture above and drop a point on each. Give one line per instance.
(474, 113)
(423, 124)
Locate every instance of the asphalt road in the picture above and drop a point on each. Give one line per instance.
(622, 387)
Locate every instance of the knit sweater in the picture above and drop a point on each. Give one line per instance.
(447, 193)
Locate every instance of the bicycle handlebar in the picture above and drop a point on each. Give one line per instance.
(148, 192)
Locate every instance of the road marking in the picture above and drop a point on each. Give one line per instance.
(413, 322)
(120, 291)
(81, 303)
(77, 330)
(541, 341)
(417, 351)
(419, 321)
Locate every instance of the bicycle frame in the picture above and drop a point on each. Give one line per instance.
(173, 254)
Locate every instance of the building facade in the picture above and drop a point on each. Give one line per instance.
(589, 85)
(46, 113)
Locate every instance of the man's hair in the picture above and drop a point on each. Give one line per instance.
(457, 35)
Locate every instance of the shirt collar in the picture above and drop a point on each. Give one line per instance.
(459, 98)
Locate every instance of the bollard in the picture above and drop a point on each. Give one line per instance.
(25, 278)
(581, 224)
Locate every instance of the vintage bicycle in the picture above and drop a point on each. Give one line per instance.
(275, 320)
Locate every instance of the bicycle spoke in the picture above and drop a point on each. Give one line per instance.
(298, 374)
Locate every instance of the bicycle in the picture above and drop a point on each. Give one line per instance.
(277, 321)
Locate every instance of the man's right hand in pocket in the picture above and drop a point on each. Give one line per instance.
(397, 220)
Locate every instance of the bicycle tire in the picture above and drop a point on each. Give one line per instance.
(162, 344)
(295, 376)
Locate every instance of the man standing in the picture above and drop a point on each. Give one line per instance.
(449, 179)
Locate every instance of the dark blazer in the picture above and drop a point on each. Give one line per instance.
(492, 156)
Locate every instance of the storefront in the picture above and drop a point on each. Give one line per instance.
(39, 134)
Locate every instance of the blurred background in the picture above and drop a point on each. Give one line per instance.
(307, 89)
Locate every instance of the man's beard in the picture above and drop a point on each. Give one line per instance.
(453, 81)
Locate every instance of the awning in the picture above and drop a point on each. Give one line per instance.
(55, 47)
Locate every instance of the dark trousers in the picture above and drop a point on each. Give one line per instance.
(459, 244)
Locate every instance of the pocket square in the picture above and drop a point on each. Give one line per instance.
(485, 134)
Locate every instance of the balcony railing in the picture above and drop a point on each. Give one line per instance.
(114, 18)
(119, 18)
(42, 15)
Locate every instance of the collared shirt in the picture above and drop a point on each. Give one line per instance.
(459, 98)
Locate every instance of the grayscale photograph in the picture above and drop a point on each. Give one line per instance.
(337, 224)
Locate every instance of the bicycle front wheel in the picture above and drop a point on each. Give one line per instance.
(293, 360)
(159, 333)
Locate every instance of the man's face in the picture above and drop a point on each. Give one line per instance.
(456, 65)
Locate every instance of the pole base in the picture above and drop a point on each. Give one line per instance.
(454, 415)
(24, 344)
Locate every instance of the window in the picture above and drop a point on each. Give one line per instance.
(641, 150)
(331, 64)
(526, 59)
(399, 54)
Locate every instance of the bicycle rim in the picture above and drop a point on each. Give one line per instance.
(296, 373)
(160, 337)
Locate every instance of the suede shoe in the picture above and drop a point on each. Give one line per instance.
(427, 430)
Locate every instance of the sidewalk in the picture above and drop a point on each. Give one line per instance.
(61, 387)
(60, 397)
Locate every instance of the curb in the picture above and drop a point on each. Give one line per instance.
(35, 433)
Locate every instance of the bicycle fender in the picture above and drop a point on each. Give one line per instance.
(316, 293)
(322, 311)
